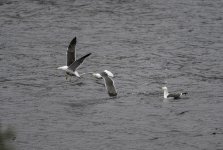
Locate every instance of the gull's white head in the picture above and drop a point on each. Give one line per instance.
(164, 88)
(109, 73)
(63, 68)
(104, 74)
(97, 75)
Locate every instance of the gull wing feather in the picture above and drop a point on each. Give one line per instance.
(109, 83)
(174, 95)
(110, 87)
(78, 62)
(71, 53)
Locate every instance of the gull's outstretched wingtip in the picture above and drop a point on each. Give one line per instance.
(72, 44)
(75, 40)
(86, 55)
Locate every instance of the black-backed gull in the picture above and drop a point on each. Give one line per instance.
(166, 94)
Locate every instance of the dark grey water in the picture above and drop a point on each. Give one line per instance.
(145, 43)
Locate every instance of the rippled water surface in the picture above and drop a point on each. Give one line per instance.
(146, 43)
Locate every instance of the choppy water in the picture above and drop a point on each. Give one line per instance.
(145, 43)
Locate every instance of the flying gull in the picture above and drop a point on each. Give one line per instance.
(72, 63)
(172, 95)
(98, 75)
(109, 84)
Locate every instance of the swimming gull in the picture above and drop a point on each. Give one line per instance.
(172, 95)
(109, 84)
(72, 63)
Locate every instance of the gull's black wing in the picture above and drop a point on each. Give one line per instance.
(110, 87)
(71, 53)
(109, 83)
(174, 95)
(78, 62)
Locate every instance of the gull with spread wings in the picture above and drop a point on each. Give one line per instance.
(72, 63)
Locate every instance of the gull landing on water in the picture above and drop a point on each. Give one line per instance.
(172, 95)
(72, 63)
(109, 84)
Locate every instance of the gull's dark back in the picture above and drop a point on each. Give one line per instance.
(78, 62)
(174, 95)
(71, 53)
